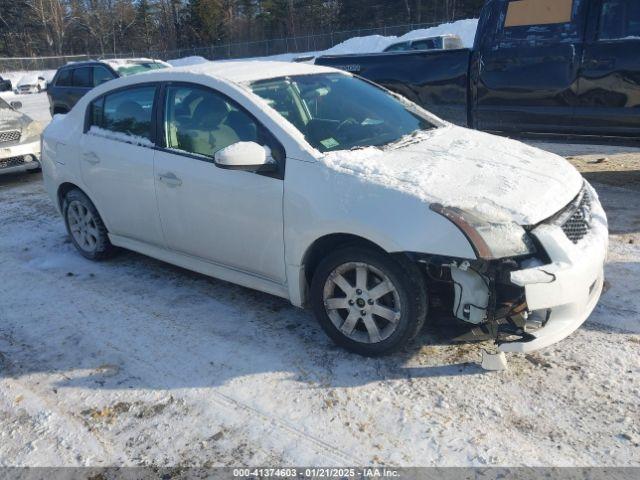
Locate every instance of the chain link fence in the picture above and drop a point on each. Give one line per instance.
(278, 46)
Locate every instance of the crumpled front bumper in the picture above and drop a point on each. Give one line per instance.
(563, 293)
(27, 153)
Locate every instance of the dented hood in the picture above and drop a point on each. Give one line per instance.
(496, 178)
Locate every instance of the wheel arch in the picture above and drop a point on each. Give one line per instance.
(318, 250)
(65, 188)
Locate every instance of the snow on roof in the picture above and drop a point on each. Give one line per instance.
(250, 71)
(123, 62)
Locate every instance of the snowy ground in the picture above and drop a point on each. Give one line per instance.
(133, 361)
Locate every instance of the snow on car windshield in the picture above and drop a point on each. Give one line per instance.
(139, 67)
(339, 112)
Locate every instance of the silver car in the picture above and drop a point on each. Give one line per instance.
(19, 139)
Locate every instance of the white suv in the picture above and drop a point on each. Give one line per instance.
(310, 184)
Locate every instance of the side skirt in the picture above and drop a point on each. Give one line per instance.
(204, 267)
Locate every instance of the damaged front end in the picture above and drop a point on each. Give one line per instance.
(529, 287)
(481, 293)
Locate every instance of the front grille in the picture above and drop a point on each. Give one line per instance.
(12, 162)
(9, 136)
(577, 222)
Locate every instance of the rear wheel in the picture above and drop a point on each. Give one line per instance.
(86, 229)
(367, 301)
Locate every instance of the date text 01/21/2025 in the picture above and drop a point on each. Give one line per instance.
(292, 473)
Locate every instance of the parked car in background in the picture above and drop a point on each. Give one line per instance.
(384, 211)
(5, 85)
(19, 139)
(537, 66)
(31, 83)
(73, 80)
(442, 42)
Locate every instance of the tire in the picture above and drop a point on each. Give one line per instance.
(404, 308)
(85, 227)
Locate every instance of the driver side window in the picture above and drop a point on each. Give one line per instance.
(202, 122)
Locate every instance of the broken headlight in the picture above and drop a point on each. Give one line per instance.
(490, 240)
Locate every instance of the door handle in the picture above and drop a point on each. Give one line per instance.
(92, 158)
(170, 179)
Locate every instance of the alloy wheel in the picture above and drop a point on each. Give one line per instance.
(362, 302)
(83, 227)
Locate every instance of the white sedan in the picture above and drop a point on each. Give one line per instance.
(314, 185)
(31, 83)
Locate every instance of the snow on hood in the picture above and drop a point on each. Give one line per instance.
(11, 119)
(494, 177)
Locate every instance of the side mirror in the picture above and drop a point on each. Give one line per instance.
(16, 105)
(245, 156)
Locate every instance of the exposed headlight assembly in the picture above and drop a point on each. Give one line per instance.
(490, 241)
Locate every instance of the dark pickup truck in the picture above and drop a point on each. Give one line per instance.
(537, 66)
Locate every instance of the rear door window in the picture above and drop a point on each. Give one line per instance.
(82, 77)
(619, 19)
(64, 78)
(540, 22)
(124, 113)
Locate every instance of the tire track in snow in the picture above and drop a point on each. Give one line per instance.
(68, 291)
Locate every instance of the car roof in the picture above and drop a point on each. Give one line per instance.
(82, 63)
(113, 63)
(250, 71)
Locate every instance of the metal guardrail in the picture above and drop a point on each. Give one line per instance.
(262, 48)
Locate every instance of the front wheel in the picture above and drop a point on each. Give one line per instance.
(367, 301)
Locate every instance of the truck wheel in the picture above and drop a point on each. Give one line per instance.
(367, 301)
(86, 229)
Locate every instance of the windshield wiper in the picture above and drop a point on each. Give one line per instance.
(410, 139)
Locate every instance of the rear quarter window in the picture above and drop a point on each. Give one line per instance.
(126, 112)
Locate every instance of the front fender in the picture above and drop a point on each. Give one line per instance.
(319, 201)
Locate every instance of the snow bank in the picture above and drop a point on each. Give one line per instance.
(371, 43)
(187, 61)
(21, 76)
(466, 29)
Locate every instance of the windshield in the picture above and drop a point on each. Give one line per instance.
(139, 67)
(339, 112)
(4, 104)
